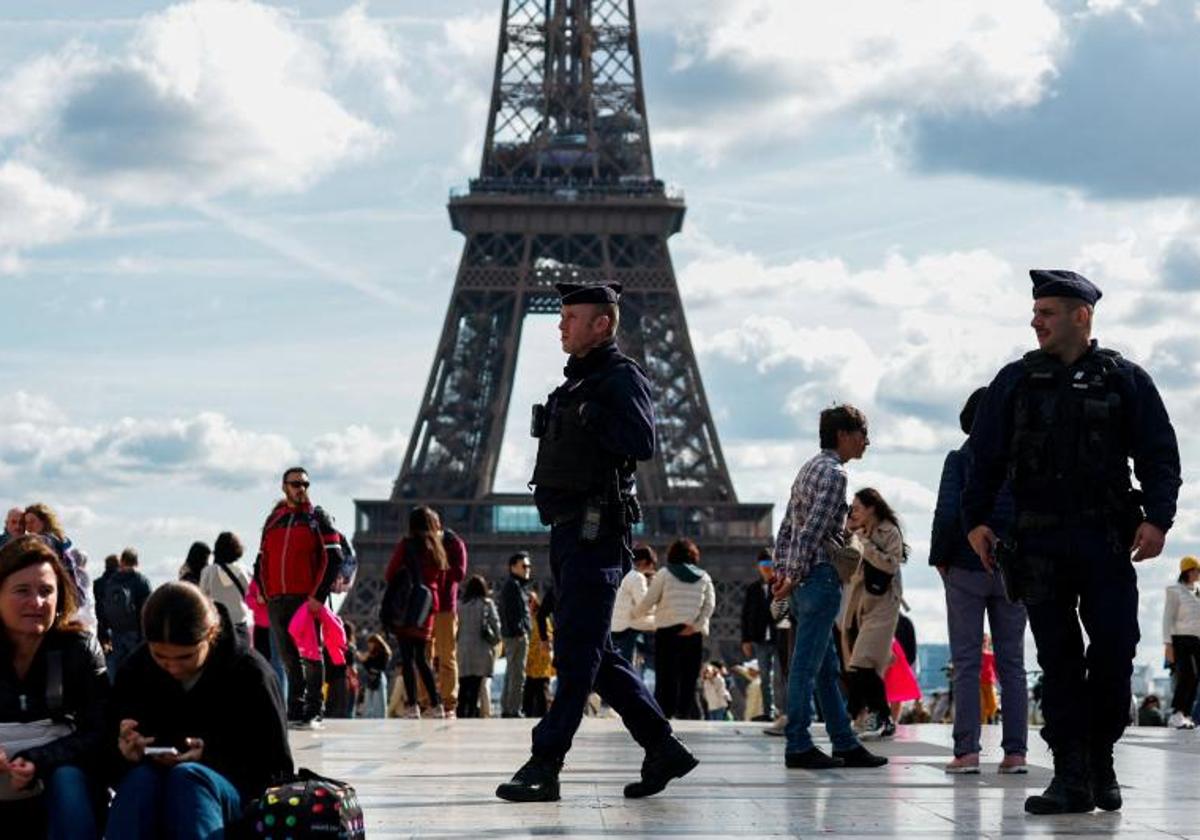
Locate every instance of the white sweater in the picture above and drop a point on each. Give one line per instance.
(1181, 612)
(221, 590)
(675, 602)
(633, 589)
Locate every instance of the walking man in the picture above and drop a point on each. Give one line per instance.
(1062, 424)
(816, 514)
(591, 433)
(298, 560)
(515, 626)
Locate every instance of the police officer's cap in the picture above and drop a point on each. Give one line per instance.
(1059, 283)
(597, 293)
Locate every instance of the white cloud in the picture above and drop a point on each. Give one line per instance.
(34, 211)
(210, 96)
(40, 445)
(822, 59)
(367, 52)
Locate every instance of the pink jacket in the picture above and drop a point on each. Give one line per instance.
(259, 611)
(303, 629)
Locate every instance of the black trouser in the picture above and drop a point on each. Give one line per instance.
(1085, 692)
(1187, 671)
(262, 641)
(412, 653)
(537, 697)
(337, 700)
(468, 696)
(305, 678)
(586, 578)
(678, 671)
(867, 691)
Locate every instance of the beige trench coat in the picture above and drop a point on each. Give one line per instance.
(868, 622)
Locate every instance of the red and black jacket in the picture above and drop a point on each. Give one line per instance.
(300, 553)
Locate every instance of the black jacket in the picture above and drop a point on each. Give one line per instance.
(84, 700)
(236, 708)
(514, 607)
(757, 624)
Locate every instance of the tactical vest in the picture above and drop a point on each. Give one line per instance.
(569, 457)
(1070, 444)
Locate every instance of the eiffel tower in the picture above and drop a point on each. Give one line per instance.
(566, 191)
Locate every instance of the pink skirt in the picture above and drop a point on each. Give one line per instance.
(900, 682)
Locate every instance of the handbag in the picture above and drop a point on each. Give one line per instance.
(407, 601)
(845, 555)
(18, 737)
(308, 807)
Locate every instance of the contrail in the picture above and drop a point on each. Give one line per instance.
(295, 251)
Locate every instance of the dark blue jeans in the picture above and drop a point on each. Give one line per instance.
(186, 802)
(815, 665)
(70, 802)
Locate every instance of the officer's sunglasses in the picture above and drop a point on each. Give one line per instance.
(298, 484)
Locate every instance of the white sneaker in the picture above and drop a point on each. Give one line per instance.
(413, 712)
(1179, 720)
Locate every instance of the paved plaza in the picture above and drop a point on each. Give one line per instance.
(436, 779)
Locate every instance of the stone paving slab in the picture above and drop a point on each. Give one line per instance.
(432, 778)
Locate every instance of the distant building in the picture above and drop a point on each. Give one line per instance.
(933, 660)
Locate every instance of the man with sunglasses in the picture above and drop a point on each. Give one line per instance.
(298, 561)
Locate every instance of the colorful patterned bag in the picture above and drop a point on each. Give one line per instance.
(310, 806)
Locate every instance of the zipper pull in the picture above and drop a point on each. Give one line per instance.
(24, 704)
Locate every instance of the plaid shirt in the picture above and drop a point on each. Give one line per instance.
(816, 511)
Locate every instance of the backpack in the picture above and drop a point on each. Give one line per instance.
(407, 601)
(120, 609)
(310, 806)
(349, 568)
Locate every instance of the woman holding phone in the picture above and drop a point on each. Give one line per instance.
(191, 761)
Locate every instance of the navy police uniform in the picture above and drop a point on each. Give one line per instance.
(1063, 436)
(592, 431)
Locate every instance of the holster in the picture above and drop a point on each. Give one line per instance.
(1028, 578)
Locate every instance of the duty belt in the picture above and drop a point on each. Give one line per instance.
(1033, 521)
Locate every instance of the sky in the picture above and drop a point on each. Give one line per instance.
(224, 245)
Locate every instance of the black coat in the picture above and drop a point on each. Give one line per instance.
(514, 607)
(757, 624)
(235, 707)
(84, 700)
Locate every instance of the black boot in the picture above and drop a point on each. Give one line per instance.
(1106, 791)
(536, 781)
(1070, 790)
(669, 760)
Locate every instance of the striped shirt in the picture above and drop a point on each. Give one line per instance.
(815, 512)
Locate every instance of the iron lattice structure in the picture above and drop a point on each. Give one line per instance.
(566, 191)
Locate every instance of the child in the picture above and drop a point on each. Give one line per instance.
(716, 691)
(374, 661)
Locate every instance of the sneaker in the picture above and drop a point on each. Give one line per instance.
(888, 730)
(412, 712)
(963, 765)
(1179, 720)
(307, 725)
(450, 714)
(1013, 765)
(777, 727)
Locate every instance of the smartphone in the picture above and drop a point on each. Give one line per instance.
(152, 751)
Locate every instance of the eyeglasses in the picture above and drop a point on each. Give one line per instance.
(298, 484)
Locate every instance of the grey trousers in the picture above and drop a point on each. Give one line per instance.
(970, 594)
(515, 649)
(765, 653)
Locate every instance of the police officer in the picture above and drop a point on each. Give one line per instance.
(1062, 424)
(591, 433)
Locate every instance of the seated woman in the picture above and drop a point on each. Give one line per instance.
(212, 704)
(53, 696)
